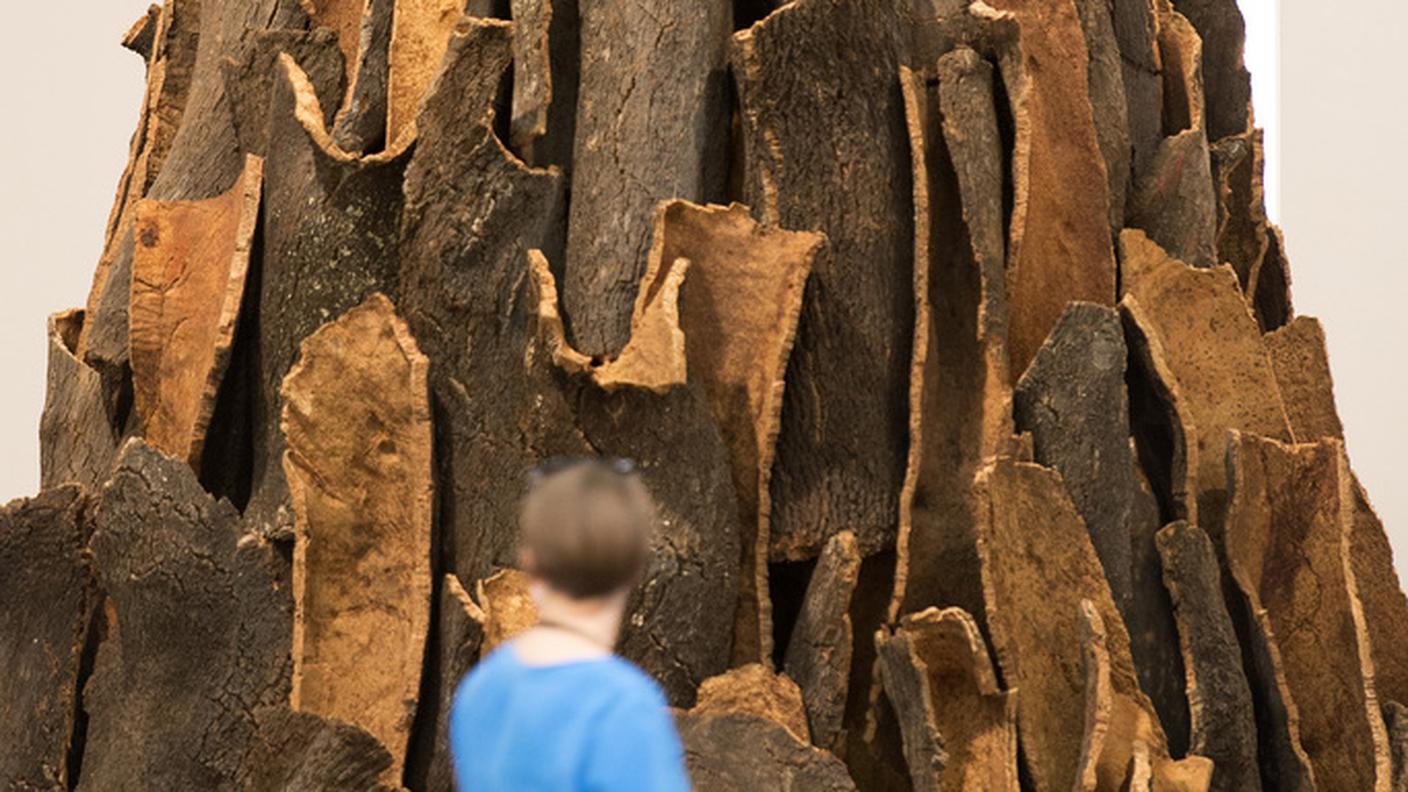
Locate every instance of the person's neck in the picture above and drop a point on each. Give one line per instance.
(570, 629)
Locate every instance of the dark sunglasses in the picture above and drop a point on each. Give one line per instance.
(553, 465)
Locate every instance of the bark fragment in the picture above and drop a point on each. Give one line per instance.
(253, 72)
(76, 438)
(1229, 84)
(420, 35)
(1396, 719)
(1173, 200)
(303, 752)
(357, 418)
(1107, 100)
(959, 726)
(1220, 701)
(737, 752)
(199, 626)
(739, 316)
(1136, 32)
(1286, 544)
(507, 606)
(841, 447)
(188, 281)
(47, 599)
(959, 396)
(330, 240)
(1073, 401)
(459, 634)
(757, 691)
(651, 125)
(1302, 367)
(1059, 247)
(1217, 370)
(1099, 699)
(1037, 566)
(472, 211)
(547, 49)
(361, 120)
(141, 36)
(819, 653)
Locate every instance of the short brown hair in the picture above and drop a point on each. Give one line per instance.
(586, 528)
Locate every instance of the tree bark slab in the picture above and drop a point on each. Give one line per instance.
(188, 283)
(252, 75)
(547, 50)
(651, 125)
(841, 448)
(754, 690)
(959, 726)
(1223, 724)
(198, 633)
(420, 36)
(728, 753)
(356, 414)
(76, 439)
(1218, 372)
(1110, 109)
(1229, 84)
(47, 599)
(459, 634)
(819, 652)
(303, 752)
(1287, 546)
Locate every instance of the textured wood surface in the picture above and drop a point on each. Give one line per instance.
(188, 282)
(198, 628)
(732, 752)
(420, 35)
(302, 752)
(841, 448)
(818, 655)
(42, 553)
(356, 414)
(1286, 545)
(76, 438)
(754, 690)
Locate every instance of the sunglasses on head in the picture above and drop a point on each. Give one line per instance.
(553, 465)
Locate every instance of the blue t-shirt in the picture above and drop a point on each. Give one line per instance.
(586, 726)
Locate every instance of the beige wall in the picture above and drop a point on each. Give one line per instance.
(71, 97)
(1344, 164)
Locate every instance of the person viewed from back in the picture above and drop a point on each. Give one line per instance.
(554, 708)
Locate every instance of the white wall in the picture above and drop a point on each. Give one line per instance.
(1343, 169)
(72, 102)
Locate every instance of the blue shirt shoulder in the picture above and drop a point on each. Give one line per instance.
(593, 725)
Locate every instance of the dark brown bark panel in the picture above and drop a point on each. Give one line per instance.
(199, 628)
(300, 752)
(733, 753)
(47, 598)
(1229, 84)
(841, 449)
(76, 438)
(818, 656)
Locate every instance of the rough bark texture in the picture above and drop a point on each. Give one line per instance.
(1037, 565)
(1229, 84)
(357, 418)
(329, 241)
(1073, 401)
(1136, 32)
(199, 621)
(420, 33)
(252, 74)
(818, 654)
(841, 448)
(76, 438)
(42, 559)
(1223, 725)
(959, 726)
(1107, 100)
(736, 752)
(547, 49)
(302, 752)
(1396, 719)
(1197, 336)
(1286, 545)
(739, 314)
(1059, 247)
(651, 121)
(1173, 200)
(188, 281)
(459, 633)
(757, 691)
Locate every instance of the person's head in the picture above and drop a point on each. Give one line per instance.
(585, 528)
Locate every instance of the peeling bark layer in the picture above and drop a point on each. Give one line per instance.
(356, 414)
(1286, 543)
(42, 555)
(1223, 725)
(841, 447)
(252, 74)
(651, 125)
(1136, 32)
(547, 51)
(1229, 84)
(959, 726)
(188, 281)
(737, 752)
(739, 314)
(756, 691)
(1059, 246)
(1073, 401)
(1109, 107)
(303, 752)
(420, 34)
(76, 439)
(329, 240)
(818, 654)
(199, 621)
(1195, 332)
(361, 120)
